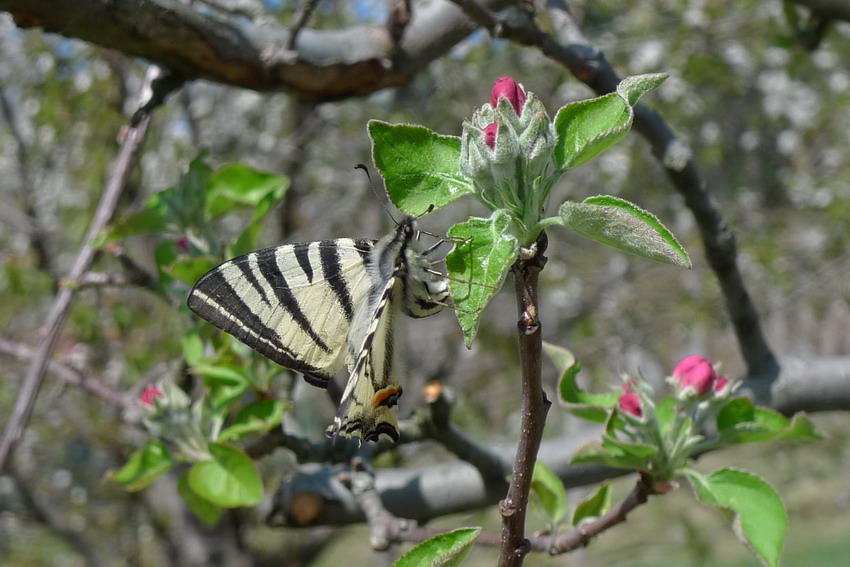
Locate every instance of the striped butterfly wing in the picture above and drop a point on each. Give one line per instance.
(293, 304)
(373, 387)
(401, 281)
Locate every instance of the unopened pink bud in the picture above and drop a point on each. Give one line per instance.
(696, 373)
(490, 134)
(629, 402)
(506, 87)
(149, 394)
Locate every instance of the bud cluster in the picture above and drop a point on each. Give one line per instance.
(677, 428)
(506, 149)
(170, 415)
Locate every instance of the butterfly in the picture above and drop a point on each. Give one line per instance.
(315, 307)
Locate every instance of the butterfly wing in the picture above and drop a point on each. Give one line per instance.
(373, 388)
(401, 280)
(293, 304)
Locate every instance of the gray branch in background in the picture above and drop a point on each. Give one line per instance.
(325, 64)
(61, 306)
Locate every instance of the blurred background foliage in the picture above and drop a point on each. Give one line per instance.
(768, 121)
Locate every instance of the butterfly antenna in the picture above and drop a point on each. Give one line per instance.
(377, 193)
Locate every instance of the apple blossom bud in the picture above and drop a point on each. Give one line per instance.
(721, 386)
(694, 375)
(506, 87)
(629, 402)
(490, 135)
(149, 394)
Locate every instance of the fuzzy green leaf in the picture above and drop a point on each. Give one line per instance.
(204, 509)
(420, 167)
(594, 453)
(592, 407)
(144, 466)
(478, 264)
(587, 128)
(229, 480)
(443, 550)
(547, 492)
(740, 421)
(189, 269)
(238, 186)
(257, 417)
(594, 506)
(624, 226)
(759, 514)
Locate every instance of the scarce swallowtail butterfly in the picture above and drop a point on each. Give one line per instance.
(316, 306)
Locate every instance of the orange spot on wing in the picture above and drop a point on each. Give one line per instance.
(388, 396)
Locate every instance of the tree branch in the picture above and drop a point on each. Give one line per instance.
(70, 376)
(533, 410)
(827, 9)
(62, 302)
(324, 65)
(590, 66)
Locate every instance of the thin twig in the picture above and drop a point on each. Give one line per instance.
(58, 313)
(534, 407)
(70, 375)
(300, 21)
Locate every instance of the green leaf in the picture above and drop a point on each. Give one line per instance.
(226, 382)
(257, 417)
(478, 265)
(665, 413)
(759, 514)
(547, 492)
(592, 407)
(589, 127)
(193, 347)
(237, 186)
(420, 168)
(144, 466)
(190, 269)
(229, 480)
(594, 506)
(740, 421)
(147, 221)
(204, 509)
(443, 550)
(624, 226)
(593, 453)
(247, 241)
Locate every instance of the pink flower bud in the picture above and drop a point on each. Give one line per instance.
(506, 87)
(182, 244)
(629, 402)
(149, 394)
(721, 385)
(490, 135)
(694, 373)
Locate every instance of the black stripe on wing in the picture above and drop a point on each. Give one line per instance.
(214, 299)
(268, 267)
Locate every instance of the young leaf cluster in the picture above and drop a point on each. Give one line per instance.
(425, 171)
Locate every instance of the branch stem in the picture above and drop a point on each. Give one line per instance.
(514, 545)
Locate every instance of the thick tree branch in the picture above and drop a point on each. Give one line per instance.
(324, 65)
(827, 9)
(678, 161)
